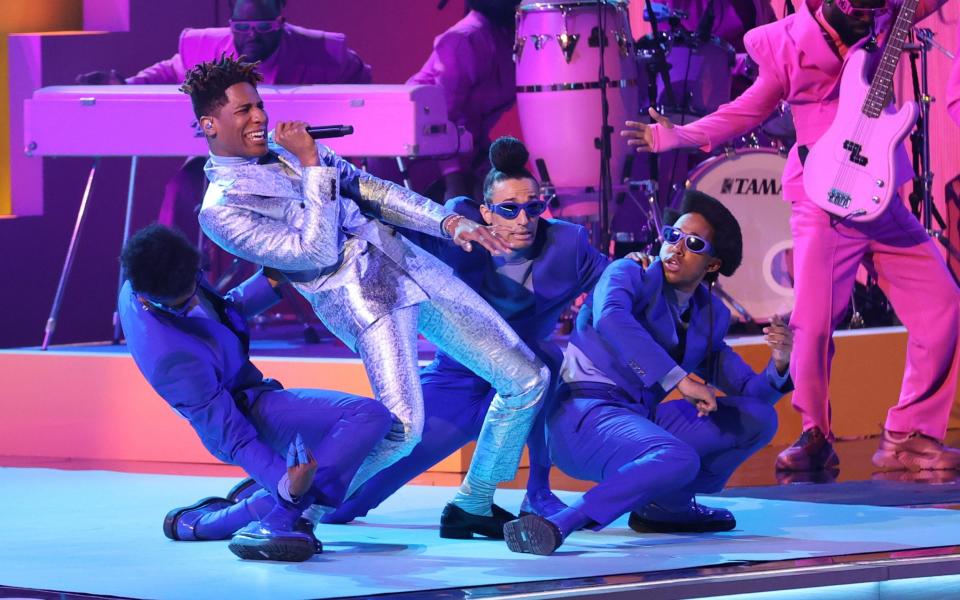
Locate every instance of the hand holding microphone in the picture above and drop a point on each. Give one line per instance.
(329, 131)
(297, 137)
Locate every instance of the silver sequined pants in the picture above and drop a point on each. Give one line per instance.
(462, 324)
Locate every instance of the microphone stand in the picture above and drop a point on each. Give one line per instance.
(923, 183)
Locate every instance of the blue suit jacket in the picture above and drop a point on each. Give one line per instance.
(565, 265)
(201, 367)
(628, 331)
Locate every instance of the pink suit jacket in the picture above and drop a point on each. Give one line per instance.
(473, 63)
(796, 65)
(305, 56)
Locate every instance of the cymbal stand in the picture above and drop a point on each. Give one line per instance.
(923, 183)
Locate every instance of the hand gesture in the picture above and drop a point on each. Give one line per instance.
(301, 467)
(641, 258)
(466, 232)
(641, 135)
(293, 136)
(698, 394)
(779, 337)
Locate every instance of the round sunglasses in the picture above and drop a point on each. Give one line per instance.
(694, 243)
(511, 210)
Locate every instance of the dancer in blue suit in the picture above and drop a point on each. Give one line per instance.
(645, 332)
(192, 346)
(550, 265)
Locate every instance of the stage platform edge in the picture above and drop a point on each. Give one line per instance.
(80, 402)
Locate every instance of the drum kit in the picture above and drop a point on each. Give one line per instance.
(561, 47)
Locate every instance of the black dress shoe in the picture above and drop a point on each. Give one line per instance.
(179, 523)
(306, 526)
(532, 534)
(458, 524)
(260, 541)
(696, 518)
(243, 490)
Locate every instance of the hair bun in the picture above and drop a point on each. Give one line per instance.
(508, 154)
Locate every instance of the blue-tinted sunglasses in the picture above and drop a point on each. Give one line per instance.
(242, 26)
(694, 243)
(178, 310)
(511, 210)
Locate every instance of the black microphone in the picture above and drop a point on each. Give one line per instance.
(329, 131)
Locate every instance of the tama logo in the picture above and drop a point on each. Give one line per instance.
(748, 185)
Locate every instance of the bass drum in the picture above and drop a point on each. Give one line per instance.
(747, 181)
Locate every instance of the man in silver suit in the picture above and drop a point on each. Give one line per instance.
(286, 202)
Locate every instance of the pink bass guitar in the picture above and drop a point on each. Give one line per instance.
(851, 172)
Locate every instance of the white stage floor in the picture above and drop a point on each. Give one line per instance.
(99, 532)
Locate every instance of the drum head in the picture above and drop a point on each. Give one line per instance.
(527, 5)
(748, 182)
(700, 73)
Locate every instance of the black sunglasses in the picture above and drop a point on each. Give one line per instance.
(177, 310)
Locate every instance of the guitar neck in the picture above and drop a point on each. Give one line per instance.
(882, 83)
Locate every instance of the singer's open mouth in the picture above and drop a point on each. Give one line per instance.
(257, 136)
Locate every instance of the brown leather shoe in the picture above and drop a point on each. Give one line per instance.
(914, 451)
(812, 452)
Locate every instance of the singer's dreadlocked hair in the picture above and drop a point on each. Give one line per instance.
(207, 83)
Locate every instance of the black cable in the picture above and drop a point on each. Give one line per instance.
(916, 141)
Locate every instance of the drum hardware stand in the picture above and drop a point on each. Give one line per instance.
(732, 302)
(548, 193)
(606, 182)
(856, 319)
(647, 189)
(657, 67)
(117, 329)
(921, 199)
(51, 325)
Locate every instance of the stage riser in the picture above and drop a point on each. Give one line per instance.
(97, 406)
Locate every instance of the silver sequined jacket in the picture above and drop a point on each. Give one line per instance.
(325, 227)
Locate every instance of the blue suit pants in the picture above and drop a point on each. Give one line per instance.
(637, 457)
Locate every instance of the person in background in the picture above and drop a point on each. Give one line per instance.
(801, 58)
(473, 63)
(287, 54)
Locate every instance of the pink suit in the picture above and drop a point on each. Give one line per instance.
(305, 56)
(799, 66)
(473, 63)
